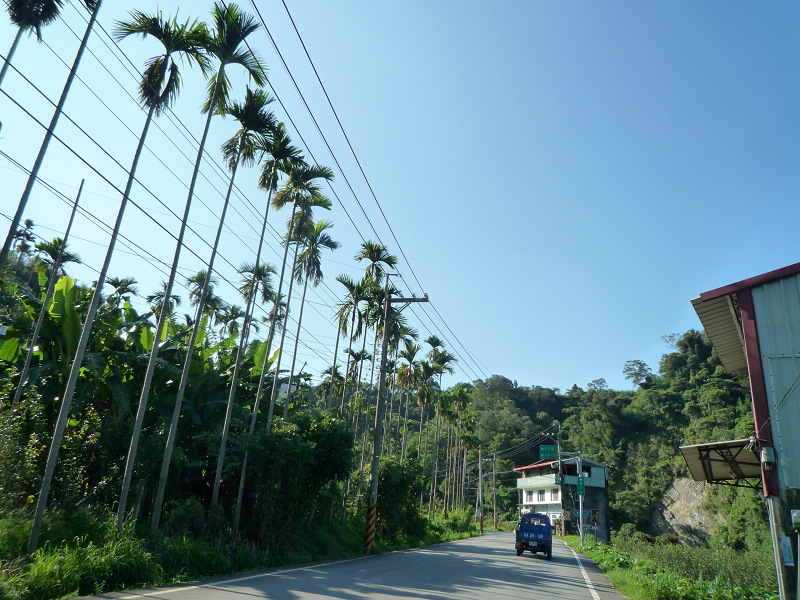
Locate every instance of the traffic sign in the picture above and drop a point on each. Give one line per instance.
(577, 513)
(548, 452)
(581, 487)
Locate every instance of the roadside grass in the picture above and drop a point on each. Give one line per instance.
(644, 571)
(85, 555)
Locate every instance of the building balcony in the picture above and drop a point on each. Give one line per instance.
(538, 481)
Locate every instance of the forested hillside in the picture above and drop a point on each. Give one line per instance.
(690, 399)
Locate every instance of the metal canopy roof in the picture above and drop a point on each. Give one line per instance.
(727, 463)
(719, 313)
(723, 325)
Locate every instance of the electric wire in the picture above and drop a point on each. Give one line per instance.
(349, 145)
(436, 328)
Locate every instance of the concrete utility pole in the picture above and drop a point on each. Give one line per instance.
(578, 486)
(377, 438)
(480, 486)
(580, 496)
(494, 491)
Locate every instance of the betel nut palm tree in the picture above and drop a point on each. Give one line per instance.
(278, 156)
(159, 88)
(301, 189)
(224, 44)
(57, 253)
(378, 260)
(303, 186)
(255, 122)
(308, 267)
(33, 8)
(29, 15)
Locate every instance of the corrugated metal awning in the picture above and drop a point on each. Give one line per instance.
(723, 462)
(722, 324)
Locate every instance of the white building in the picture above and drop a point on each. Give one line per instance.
(543, 490)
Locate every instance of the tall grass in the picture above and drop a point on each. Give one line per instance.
(646, 571)
(754, 568)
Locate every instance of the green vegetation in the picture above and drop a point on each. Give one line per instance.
(106, 559)
(155, 447)
(643, 570)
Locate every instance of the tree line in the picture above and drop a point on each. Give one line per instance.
(92, 389)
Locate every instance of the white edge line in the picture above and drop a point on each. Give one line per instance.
(585, 576)
(184, 588)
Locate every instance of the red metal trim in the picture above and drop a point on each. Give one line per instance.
(541, 464)
(758, 386)
(752, 282)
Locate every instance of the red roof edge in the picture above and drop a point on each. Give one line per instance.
(752, 282)
(540, 464)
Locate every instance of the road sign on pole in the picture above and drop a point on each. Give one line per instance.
(548, 452)
(581, 486)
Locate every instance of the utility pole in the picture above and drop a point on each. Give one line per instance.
(377, 438)
(580, 495)
(494, 491)
(580, 486)
(480, 486)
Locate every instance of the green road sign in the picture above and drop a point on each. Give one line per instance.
(577, 513)
(581, 486)
(547, 452)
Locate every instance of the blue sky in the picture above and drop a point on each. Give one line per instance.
(562, 177)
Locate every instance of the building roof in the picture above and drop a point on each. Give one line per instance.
(571, 460)
(720, 315)
(535, 465)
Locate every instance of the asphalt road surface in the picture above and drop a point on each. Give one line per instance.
(481, 568)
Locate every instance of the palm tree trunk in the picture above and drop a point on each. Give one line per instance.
(51, 284)
(405, 425)
(296, 341)
(162, 319)
(372, 363)
(364, 439)
(419, 439)
(349, 355)
(176, 413)
(237, 363)
(434, 473)
(328, 401)
(77, 361)
(47, 137)
(275, 381)
(10, 55)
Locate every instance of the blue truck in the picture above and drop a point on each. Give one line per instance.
(534, 534)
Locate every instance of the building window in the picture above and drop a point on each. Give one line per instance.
(554, 494)
(541, 496)
(529, 496)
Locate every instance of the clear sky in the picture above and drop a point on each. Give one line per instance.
(562, 177)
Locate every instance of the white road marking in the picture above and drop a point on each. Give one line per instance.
(239, 579)
(589, 585)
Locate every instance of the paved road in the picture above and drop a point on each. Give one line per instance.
(483, 568)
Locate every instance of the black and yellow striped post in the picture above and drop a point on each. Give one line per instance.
(369, 536)
(377, 438)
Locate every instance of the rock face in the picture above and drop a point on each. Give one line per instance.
(679, 513)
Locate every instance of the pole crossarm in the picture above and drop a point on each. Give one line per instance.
(407, 301)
